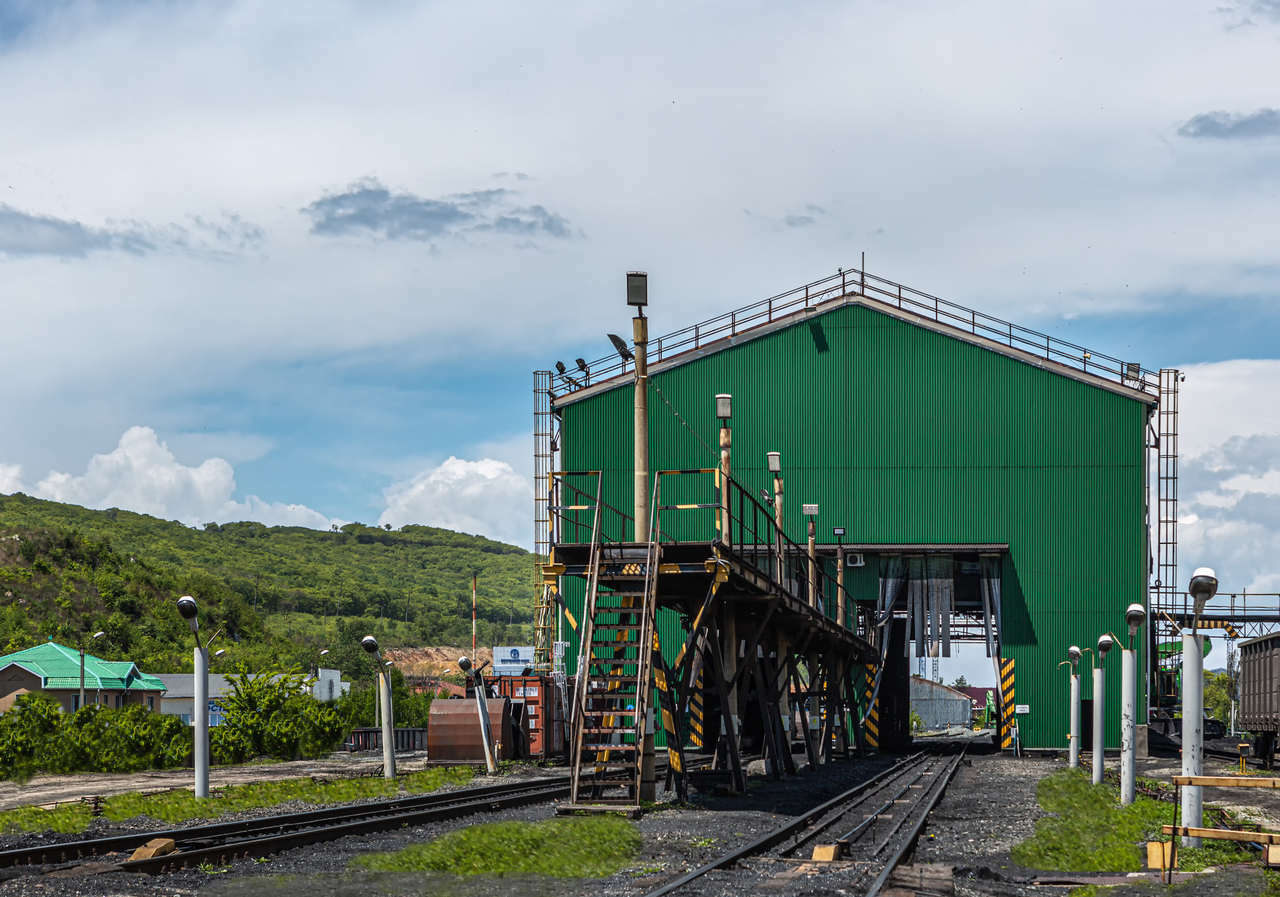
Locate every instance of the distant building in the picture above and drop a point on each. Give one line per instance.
(329, 685)
(179, 700)
(978, 696)
(55, 670)
(940, 706)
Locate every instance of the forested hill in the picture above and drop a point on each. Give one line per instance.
(309, 587)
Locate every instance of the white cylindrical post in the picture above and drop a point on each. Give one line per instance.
(388, 725)
(1128, 724)
(200, 715)
(1099, 721)
(1192, 731)
(1073, 759)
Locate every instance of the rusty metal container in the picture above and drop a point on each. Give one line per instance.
(453, 731)
(543, 712)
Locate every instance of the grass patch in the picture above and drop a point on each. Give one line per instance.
(591, 847)
(1088, 831)
(182, 806)
(67, 819)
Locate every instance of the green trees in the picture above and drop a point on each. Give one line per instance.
(1217, 696)
(35, 736)
(273, 715)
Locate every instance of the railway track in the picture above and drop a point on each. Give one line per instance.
(863, 833)
(219, 843)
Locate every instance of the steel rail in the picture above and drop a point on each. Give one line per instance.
(46, 854)
(904, 844)
(268, 844)
(769, 839)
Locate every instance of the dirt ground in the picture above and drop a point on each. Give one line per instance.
(50, 789)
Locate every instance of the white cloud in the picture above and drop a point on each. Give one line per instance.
(141, 474)
(1229, 473)
(10, 478)
(486, 497)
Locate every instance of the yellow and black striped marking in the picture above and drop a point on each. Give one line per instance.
(1231, 631)
(871, 725)
(1006, 703)
(697, 713)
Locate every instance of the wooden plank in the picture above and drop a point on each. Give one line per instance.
(1229, 781)
(1222, 834)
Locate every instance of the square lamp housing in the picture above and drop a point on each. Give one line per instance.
(810, 510)
(637, 289)
(724, 406)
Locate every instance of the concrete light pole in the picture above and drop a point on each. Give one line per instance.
(1073, 751)
(482, 707)
(774, 462)
(1204, 585)
(811, 511)
(1100, 708)
(94, 637)
(1134, 616)
(370, 644)
(200, 702)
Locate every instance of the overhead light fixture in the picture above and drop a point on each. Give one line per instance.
(837, 531)
(1135, 616)
(724, 407)
(774, 460)
(637, 289)
(620, 346)
(1104, 645)
(809, 510)
(582, 365)
(1073, 655)
(560, 367)
(1204, 585)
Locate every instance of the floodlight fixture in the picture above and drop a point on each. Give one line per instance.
(560, 367)
(724, 407)
(370, 644)
(387, 663)
(582, 365)
(324, 651)
(765, 496)
(187, 607)
(637, 289)
(620, 346)
(464, 664)
(774, 460)
(1204, 585)
(809, 510)
(1105, 642)
(1135, 616)
(219, 652)
(837, 531)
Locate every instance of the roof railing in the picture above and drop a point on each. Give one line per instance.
(854, 282)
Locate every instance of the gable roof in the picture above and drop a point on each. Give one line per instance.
(59, 668)
(851, 287)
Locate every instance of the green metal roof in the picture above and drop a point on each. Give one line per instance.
(59, 667)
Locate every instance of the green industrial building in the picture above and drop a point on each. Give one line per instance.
(1001, 468)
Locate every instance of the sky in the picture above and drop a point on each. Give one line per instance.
(296, 262)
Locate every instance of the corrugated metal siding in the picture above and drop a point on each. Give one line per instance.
(902, 434)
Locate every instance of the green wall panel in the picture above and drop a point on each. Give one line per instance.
(903, 434)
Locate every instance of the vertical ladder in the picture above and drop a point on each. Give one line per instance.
(1167, 503)
(543, 450)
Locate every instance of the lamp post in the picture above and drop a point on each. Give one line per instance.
(724, 411)
(1134, 616)
(1204, 585)
(370, 644)
(482, 707)
(811, 511)
(200, 703)
(1100, 708)
(774, 462)
(838, 532)
(638, 298)
(1073, 751)
(94, 637)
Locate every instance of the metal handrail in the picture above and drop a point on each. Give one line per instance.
(886, 292)
(571, 508)
(754, 537)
